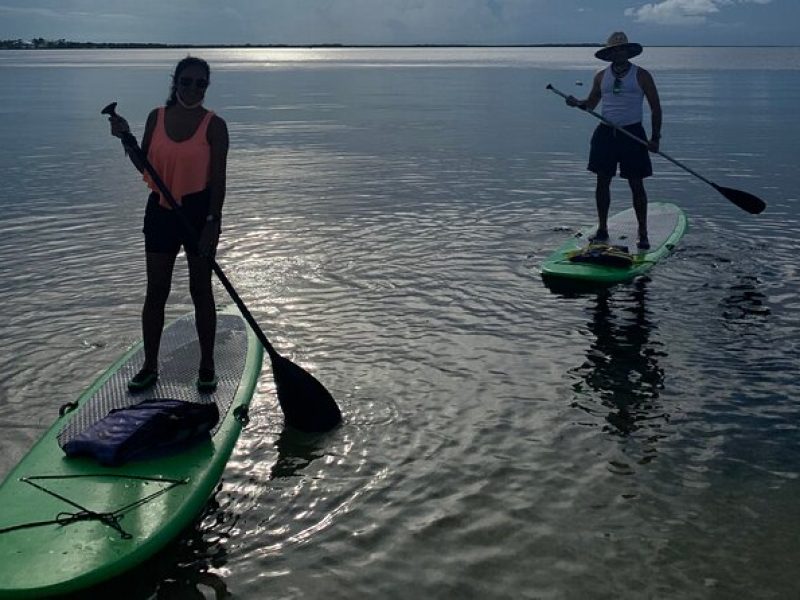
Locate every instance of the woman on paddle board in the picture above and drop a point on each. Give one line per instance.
(622, 87)
(188, 147)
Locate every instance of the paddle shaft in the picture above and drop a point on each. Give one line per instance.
(638, 139)
(131, 144)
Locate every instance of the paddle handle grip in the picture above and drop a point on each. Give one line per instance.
(128, 139)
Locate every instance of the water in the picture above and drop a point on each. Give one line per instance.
(387, 213)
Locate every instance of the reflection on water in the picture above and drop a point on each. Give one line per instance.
(745, 301)
(194, 565)
(295, 452)
(621, 366)
(189, 567)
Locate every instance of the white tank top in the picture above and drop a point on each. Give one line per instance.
(622, 103)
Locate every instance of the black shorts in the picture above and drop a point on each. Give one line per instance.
(164, 231)
(611, 148)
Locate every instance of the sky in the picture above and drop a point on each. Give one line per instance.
(400, 22)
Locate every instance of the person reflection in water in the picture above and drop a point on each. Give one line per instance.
(621, 364)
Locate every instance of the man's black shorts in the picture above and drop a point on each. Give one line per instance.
(163, 230)
(611, 148)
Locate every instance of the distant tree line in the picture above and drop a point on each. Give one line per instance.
(43, 44)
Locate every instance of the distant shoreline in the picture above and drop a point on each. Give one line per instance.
(67, 45)
(41, 44)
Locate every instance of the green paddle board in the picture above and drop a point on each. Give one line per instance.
(70, 523)
(666, 225)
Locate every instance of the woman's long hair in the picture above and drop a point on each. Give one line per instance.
(189, 61)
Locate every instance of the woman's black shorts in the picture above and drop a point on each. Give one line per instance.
(610, 148)
(164, 231)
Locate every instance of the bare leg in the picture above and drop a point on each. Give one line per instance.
(639, 204)
(159, 282)
(205, 311)
(603, 200)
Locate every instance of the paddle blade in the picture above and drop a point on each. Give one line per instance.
(305, 402)
(749, 202)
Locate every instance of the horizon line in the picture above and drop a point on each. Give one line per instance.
(45, 44)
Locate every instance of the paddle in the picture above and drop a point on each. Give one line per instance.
(743, 200)
(305, 403)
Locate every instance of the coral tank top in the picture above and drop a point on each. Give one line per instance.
(185, 167)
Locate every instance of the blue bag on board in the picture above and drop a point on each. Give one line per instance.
(153, 427)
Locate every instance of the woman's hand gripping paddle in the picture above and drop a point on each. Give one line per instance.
(749, 202)
(305, 402)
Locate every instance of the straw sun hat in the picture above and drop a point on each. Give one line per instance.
(618, 40)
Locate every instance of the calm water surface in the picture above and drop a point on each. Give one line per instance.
(387, 214)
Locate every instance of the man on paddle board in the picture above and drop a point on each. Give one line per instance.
(622, 87)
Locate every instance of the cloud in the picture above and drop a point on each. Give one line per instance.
(406, 21)
(78, 21)
(682, 12)
(37, 12)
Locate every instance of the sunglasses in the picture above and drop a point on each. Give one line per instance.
(199, 83)
(617, 88)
